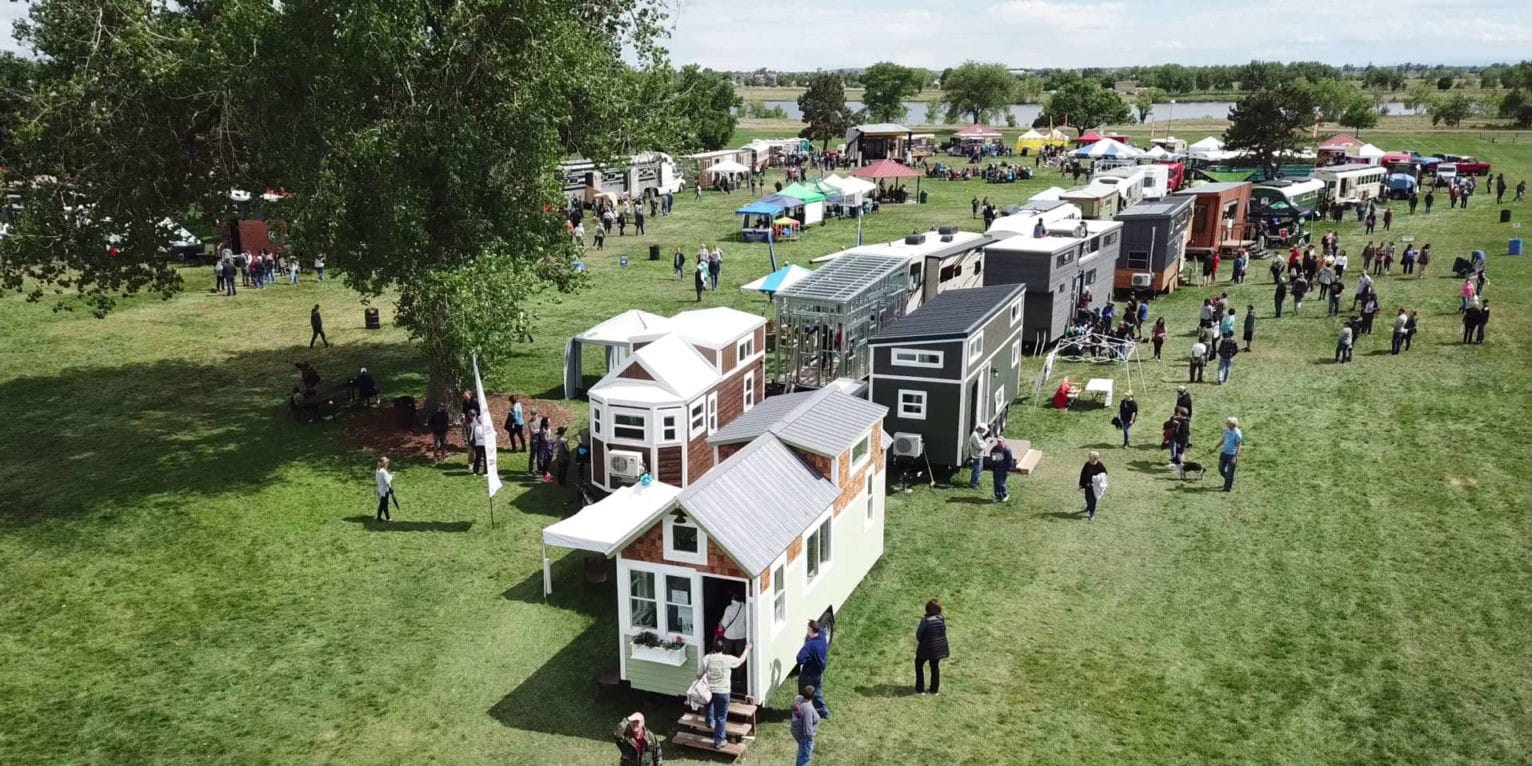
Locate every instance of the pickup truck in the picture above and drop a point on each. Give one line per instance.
(1467, 166)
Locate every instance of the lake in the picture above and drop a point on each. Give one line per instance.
(915, 111)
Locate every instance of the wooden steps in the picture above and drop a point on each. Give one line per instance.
(739, 730)
(1029, 461)
(698, 722)
(688, 739)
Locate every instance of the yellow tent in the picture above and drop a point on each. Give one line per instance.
(1033, 141)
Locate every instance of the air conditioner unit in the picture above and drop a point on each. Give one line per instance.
(1143, 280)
(915, 239)
(623, 464)
(909, 445)
(946, 230)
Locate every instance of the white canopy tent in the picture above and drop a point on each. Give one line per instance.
(1369, 154)
(728, 168)
(1207, 144)
(603, 526)
(1106, 147)
(852, 189)
(616, 334)
(1156, 152)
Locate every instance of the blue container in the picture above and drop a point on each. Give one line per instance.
(1514, 248)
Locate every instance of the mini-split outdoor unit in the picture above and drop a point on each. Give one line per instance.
(909, 445)
(1143, 280)
(623, 464)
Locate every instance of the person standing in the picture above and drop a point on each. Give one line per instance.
(516, 426)
(813, 659)
(470, 408)
(535, 448)
(1198, 362)
(718, 668)
(1179, 435)
(1127, 415)
(1280, 296)
(1467, 293)
(599, 238)
(638, 220)
(1396, 344)
(1227, 348)
(319, 268)
(679, 263)
(1300, 288)
(1001, 461)
(317, 323)
(1343, 343)
(440, 423)
(1093, 483)
(1184, 401)
(1482, 321)
(1388, 218)
(715, 265)
(1410, 326)
(636, 745)
(561, 455)
(479, 442)
(1332, 304)
(1228, 457)
(700, 278)
(978, 445)
(930, 647)
(1430, 199)
(805, 723)
(1249, 325)
(385, 488)
(1157, 336)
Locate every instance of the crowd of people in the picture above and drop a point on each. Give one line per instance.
(232, 270)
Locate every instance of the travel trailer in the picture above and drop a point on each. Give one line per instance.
(647, 174)
(1130, 181)
(1351, 184)
(1096, 200)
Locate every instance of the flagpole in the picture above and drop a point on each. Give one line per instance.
(491, 511)
(771, 246)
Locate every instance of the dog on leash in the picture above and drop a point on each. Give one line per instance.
(1188, 468)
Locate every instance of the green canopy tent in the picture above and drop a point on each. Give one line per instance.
(813, 201)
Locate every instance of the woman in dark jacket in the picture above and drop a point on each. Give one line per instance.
(930, 646)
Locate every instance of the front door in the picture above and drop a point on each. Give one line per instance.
(717, 596)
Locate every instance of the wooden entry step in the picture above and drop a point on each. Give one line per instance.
(698, 722)
(1029, 462)
(688, 739)
(738, 709)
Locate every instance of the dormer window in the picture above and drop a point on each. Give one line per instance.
(684, 540)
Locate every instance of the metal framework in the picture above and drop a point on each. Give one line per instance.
(825, 320)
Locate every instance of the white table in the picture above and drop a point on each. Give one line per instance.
(1102, 386)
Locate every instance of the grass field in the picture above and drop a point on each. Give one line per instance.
(188, 578)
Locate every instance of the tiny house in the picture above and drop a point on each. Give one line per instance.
(938, 260)
(1154, 236)
(1065, 272)
(1218, 216)
(950, 365)
(1022, 221)
(1131, 182)
(825, 319)
(1096, 200)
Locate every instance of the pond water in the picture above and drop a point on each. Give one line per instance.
(915, 111)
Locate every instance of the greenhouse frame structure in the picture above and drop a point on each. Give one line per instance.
(825, 320)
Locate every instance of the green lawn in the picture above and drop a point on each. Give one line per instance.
(187, 577)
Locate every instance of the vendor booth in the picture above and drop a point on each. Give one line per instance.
(616, 336)
(1034, 141)
(855, 193)
(811, 200)
(889, 170)
(776, 281)
(1106, 148)
(878, 141)
(756, 220)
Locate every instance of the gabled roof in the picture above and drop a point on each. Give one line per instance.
(756, 503)
(1340, 141)
(677, 373)
(825, 422)
(1160, 208)
(620, 329)
(1213, 188)
(952, 314)
(715, 327)
(844, 278)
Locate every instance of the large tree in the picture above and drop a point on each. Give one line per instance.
(1269, 122)
(1084, 104)
(1453, 110)
(706, 104)
(420, 141)
(885, 87)
(1360, 115)
(977, 91)
(823, 105)
(1144, 100)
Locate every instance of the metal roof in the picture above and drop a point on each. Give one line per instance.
(1160, 208)
(845, 278)
(673, 365)
(756, 503)
(1213, 188)
(954, 313)
(933, 246)
(826, 421)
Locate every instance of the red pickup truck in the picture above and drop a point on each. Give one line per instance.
(1467, 166)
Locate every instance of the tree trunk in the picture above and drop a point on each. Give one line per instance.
(444, 382)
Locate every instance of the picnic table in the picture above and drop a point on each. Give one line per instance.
(1101, 386)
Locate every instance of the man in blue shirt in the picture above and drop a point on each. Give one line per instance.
(1228, 459)
(811, 666)
(516, 426)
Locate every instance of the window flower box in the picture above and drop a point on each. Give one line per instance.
(649, 647)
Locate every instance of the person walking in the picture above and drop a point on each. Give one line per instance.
(679, 264)
(1482, 321)
(715, 265)
(1228, 457)
(1467, 293)
(978, 446)
(1300, 289)
(1198, 362)
(1388, 218)
(1093, 483)
(317, 323)
(292, 271)
(700, 278)
(516, 426)
(1280, 296)
(1178, 434)
(1332, 304)
(636, 745)
(1343, 343)
(599, 238)
(1430, 199)
(1001, 461)
(476, 443)
(439, 423)
(385, 488)
(1184, 401)
(1410, 326)
(805, 723)
(319, 269)
(1396, 344)
(718, 669)
(1227, 348)
(1249, 325)
(812, 660)
(1127, 415)
(1157, 336)
(930, 647)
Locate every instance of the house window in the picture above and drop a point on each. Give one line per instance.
(1065, 258)
(632, 427)
(779, 595)
(1015, 313)
(1000, 400)
(684, 540)
(912, 404)
(678, 604)
(745, 349)
(595, 420)
(870, 507)
(698, 418)
(642, 606)
(910, 357)
(975, 347)
(861, 451)
(1110, 239)
(1016, 352)
(1138, 259)
(1090, 277)
(818, 548)
(749, 393)
(712, 413)
(668, 431)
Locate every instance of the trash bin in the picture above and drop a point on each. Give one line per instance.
(404, 412)
(371, 320)
(1514, 247)
(654, 252)
(1505, 215)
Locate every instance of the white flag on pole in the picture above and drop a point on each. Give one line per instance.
(491, 462)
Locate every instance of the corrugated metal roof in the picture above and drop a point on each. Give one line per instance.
(674, 365)
(844, 278)
(756, 503)
(1213, 188)
(1161, 208)
(954, 313)
(826, 421)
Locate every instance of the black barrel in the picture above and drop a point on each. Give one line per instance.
(370, 317)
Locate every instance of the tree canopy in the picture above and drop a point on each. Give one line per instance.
(1453, 109)
(1269, 122)
(419, 140)
(824, 108)
(885, 86)
(980, 92)
(1084, 104)
(706, 104)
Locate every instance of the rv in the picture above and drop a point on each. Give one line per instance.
(1130, 183)
(1301, 193)
(650, 173)
(1022, 221)
(1351, 184)
(1096, 200)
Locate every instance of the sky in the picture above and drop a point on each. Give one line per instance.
(830, 34)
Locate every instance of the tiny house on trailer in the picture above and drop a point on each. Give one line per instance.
(1132, 182)
(1154, 236)
(939, 260)
(1351, 184)
(952, 364)
(879, 141)
(653, 413)
(1063, 273)
(825, 319)
(1022, 220)
(1095, 200)
(1218, 216)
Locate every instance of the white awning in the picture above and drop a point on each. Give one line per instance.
(604, 525)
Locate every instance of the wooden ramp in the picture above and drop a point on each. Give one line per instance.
(1029, 461)
(739, 731)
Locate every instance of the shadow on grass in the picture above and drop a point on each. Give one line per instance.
(572, 589)
(371, 524)
(1063, 515)
(1146, 466)
(176, 426)
(971, 499)
(886, 690)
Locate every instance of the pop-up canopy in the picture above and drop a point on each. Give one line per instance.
(761, 207)
(1089, 137)
(603, 526)
(803, 192)
(1106, 147)
(777, 280)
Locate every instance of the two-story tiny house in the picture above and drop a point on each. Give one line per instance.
(654, 412)
(1064, 272)
(1154, 236)
(950, 365)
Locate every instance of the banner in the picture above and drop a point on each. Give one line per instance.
(491, 460)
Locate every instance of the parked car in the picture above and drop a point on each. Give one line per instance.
(1467, 165)
(1446, 173)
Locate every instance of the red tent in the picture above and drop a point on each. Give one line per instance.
(1341, 142)
(1121, 139)
(1089, 137)
(885, 169)
(977, 131)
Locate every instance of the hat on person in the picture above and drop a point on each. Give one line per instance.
(981, 428)
(1181, 389)
(636, 718)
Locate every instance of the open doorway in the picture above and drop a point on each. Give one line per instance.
(723, 606)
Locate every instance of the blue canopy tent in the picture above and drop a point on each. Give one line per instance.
(756, 218)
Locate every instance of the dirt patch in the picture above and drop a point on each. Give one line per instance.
(378, 430)
(1459, 482)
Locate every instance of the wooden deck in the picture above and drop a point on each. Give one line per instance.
(739, 730)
